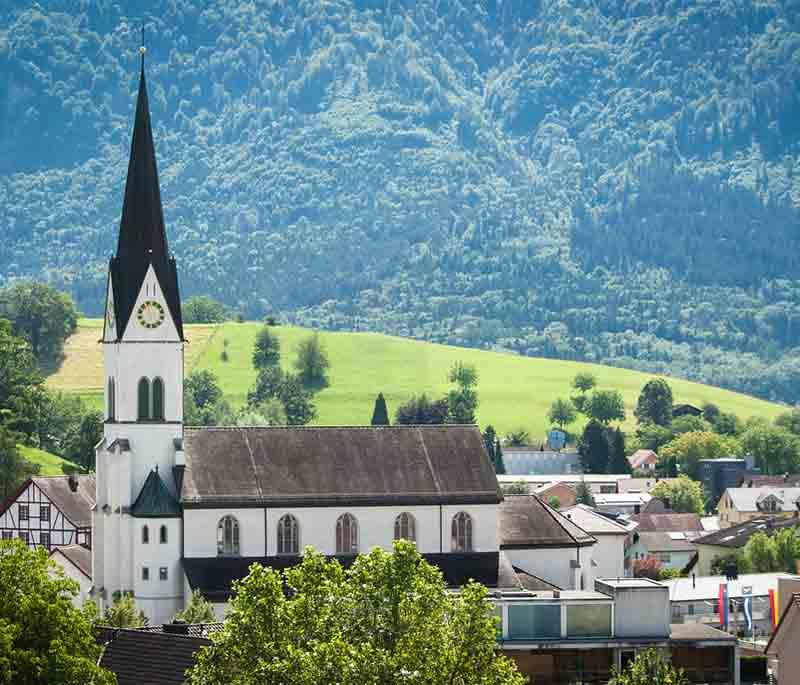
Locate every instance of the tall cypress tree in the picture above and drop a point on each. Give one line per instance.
(499, 464)
(593, 448)
(618, 462)
(380, 415)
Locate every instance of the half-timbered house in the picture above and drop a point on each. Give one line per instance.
(50, 512)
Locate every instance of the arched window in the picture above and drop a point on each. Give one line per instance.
(144, 400)
(162, 535)
(347, 534)
(112, 400)
(228, 536)
(145, 535)
(288, 535)
(158, 400)
(461, 532)
(405, 527)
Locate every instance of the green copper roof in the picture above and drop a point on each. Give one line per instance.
(155, 501)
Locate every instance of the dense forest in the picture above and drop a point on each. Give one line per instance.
(610, 180)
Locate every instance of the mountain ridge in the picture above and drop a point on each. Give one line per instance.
(609, 181)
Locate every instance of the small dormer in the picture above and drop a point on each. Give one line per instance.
(769, 502)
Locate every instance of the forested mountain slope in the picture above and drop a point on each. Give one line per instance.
(592, 179)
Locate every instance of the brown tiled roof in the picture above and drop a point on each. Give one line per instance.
(142, 657)
(76, 506)
(309, 466)
(667, 523)
(526, 521)
(79, 556)
(214, 576)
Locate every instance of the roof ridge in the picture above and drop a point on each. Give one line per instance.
(329, 426)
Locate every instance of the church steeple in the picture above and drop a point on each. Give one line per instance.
(142, 236)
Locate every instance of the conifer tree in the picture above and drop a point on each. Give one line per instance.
(584, 494)
(499, 464)
(618, 461)
(380, 414)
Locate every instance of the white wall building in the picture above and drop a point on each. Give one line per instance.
(611, 535)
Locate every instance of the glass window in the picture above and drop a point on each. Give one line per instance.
(145, 573)
(144, 400)
(44, 512)
(588, 620)
(23, 512)
(145, 535)
(347, 534)
(7, 535)
(162, 535)
(44, 539)
(288, 535)
(228, 536)
(158, 400)
(405, 527)
(528, 621)
(162, 573)
(112, 400)
(461, 532)
(24, 536)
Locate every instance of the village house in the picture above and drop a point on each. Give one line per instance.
(738, 505)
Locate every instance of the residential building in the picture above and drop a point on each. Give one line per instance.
(642, 484)
(717, 475)
(564, 494)
(782, 651)
(679, 410)
(696, 600)
(571, 637)
(643, 460)
(756, 480)
(611, 534)
(50, 511)
(599, 483)
(533, 461)
(673, 550)
(540, 540)
(727, 541)
(668, 522)
(627, 503)
(738, 505)
(76, 563)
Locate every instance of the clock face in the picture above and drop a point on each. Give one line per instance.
(150, 314)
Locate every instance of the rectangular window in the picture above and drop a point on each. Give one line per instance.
(23, 512)
(145, 573)
(665, 557)
(44, 539)
(44, 512)
(531, 621)
(24, 536)
(589, 620)
(7, 535)
(162, 573)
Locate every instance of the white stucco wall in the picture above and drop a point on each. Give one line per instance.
(318, 528)
(73, 573)
(554, 564)
(609, 555)
(159, 599)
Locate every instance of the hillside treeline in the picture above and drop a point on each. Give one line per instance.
(612, 181)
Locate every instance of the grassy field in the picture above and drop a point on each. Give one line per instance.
(50, 463)
(515, 392)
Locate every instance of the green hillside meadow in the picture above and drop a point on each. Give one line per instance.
(515, 392)
(50, 463)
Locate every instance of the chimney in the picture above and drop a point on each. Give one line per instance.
(177, 627)
(73, 482)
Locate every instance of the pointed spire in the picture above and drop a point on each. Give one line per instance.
(142, 235)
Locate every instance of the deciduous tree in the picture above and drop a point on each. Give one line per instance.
(562, 413)
(14, 468)
(605, 406)
(648, 668)
(267, 349)
(420, 410)
(775, 449)
(463, 399)
(123, 613)
(655, 403)
(373, 623)
(42, 316)
(203, 309)
(312, 363)
(684, 494)
(43, 637)
(198, 610)
(689, 448)
(584, 494)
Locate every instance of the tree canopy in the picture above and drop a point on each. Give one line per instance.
(684, 495)
(380, 414)
(203, 309)
(688, 449)
(43, 637)
(368, 624)
(655, 403)
(312, 363)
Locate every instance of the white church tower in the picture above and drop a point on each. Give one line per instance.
(136, 527)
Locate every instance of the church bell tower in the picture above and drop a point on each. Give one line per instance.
(136, 524)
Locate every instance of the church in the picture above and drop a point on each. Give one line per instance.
(181, 508)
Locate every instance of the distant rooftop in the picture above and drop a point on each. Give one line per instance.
(570, 478)
(704, 588)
